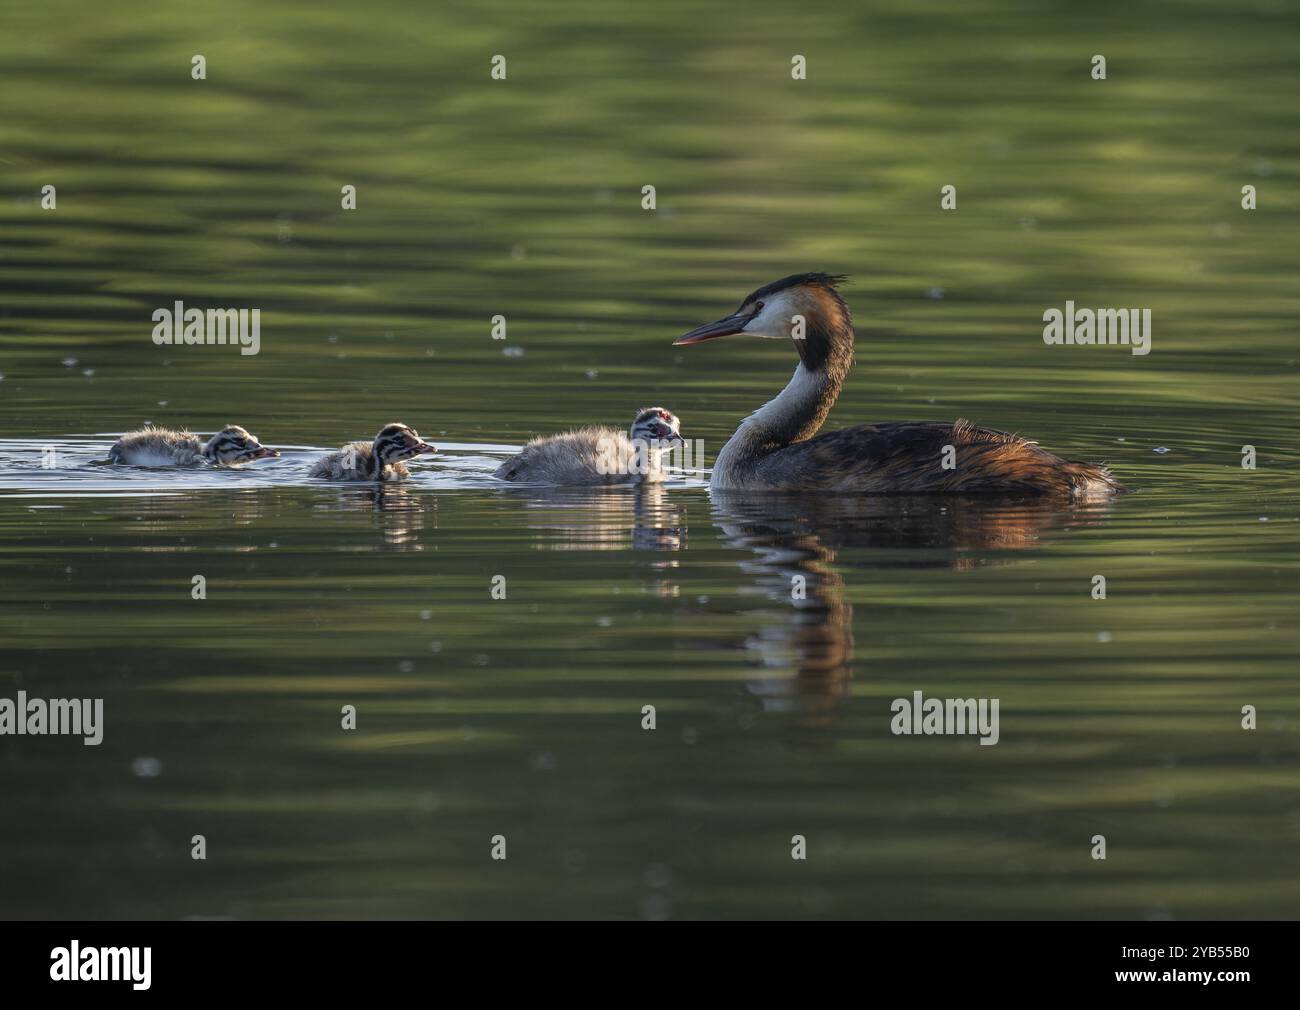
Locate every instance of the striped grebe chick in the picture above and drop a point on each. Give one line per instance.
(150, 446)
(599, 455)
(774, 448)
(379, 460)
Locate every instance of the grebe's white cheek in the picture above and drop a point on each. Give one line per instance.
(776, 321)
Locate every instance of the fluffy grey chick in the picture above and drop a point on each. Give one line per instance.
(598, 455)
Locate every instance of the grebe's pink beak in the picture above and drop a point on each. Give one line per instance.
(733, 323)
(423, 447)
(264, 453)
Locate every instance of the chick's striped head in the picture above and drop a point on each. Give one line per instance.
(396, 442)
(232, 444)
(657, 427)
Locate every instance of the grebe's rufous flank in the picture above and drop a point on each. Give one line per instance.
(378, 461)
(774, 448)
(150, 446)
(596, 455)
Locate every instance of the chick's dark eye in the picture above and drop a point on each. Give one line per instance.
(758, 307)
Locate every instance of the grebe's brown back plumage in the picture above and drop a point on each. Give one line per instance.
(775, 449)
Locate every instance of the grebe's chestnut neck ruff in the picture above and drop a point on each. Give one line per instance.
(597, 455)
(774, 448)
(380, 460)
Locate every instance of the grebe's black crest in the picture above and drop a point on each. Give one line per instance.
(816, 279)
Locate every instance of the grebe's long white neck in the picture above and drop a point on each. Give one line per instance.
(793, 415)
(809, 311)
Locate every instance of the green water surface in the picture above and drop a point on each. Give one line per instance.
(522, 716)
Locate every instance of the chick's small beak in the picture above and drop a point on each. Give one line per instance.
(422, 447)
(668, 437)
(262, 452)
(733, 323)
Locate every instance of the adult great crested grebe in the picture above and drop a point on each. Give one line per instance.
(379, 460)
(774, 448)
(150, 446)
(596, 455)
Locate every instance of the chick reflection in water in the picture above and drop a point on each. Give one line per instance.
(399, 514)
(604, 518)
(795, 542)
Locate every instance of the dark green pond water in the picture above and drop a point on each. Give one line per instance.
(522, 717)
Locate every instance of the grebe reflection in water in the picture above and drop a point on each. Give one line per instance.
(794, 556)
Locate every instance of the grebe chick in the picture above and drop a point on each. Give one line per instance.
(774, 448)
(150, 446)
(597, 455)
(378, 461)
